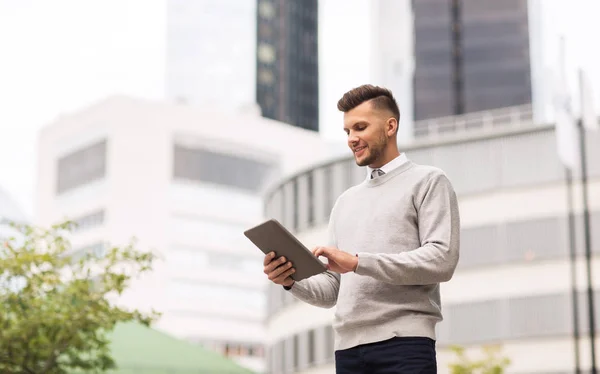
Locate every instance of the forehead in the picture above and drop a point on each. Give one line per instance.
(362, 113)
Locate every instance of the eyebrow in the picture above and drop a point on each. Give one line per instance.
(357, 124)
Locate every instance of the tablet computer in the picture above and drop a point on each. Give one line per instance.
(271, 236)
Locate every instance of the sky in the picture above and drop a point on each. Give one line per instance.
(59, 56)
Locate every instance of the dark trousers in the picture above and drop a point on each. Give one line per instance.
(401, 355)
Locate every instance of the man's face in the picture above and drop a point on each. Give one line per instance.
(368, 133)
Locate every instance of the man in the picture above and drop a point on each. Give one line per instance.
(393, 239)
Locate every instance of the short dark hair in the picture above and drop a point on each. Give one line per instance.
(380, 97)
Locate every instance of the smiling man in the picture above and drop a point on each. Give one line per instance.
(392, 240)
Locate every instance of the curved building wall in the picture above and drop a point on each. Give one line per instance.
(512, 285)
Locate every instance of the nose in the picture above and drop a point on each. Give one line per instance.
(352, 138)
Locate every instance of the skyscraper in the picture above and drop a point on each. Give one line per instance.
(470, 55)
(287, 79)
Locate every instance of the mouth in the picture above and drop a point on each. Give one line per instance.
(358, 151)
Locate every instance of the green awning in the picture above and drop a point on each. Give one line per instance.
(141, 350)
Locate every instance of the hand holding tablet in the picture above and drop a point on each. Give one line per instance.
(296, 261)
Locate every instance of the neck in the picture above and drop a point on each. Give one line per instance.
(389, 154)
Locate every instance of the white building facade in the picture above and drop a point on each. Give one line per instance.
(185, 183)
(512, 286)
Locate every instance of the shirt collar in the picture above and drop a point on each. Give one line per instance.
(395, 163)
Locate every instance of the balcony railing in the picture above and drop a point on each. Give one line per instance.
(509, 117)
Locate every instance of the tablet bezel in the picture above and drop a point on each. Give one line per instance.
(272, 236)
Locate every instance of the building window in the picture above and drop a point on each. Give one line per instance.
(296, 208)
(284, 206)
(329, 192)
(329, 343)
(311, 198)
(266, 53)
(267, 78)
(88, 221)
(266, 9)
(96, 250)
(296, 347)
(201, 165)
(311, 347)
(265, 31)
(81, 167)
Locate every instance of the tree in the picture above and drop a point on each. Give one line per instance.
(55, 312)
(491, 363)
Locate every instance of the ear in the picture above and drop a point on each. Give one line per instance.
(391, 126)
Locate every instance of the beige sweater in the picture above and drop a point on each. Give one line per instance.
(405, 228)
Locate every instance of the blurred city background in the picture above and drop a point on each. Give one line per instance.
(184, 122)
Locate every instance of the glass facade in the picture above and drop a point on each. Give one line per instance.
(433, 59)
(287, 79)
(470, 55)
(495, 54)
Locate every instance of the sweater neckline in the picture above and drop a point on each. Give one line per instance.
(387, 176)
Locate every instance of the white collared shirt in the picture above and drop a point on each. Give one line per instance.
(395, 163)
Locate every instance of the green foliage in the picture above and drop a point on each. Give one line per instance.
(54, 307)
(491, 363)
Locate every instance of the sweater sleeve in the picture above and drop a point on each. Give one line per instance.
(320, 290)
(439, 233)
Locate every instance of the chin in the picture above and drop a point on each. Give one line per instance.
(364, 162)
(366, 159)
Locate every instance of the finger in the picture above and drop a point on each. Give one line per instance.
(274, 264)
(268, 258)
(321, 251)
(284, 276)
(279, 271)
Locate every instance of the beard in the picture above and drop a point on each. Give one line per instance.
(375, 150)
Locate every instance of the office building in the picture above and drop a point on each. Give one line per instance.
(470, 56)
(287, 61)
(439, 58)
(186, 182)
(512, 286)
